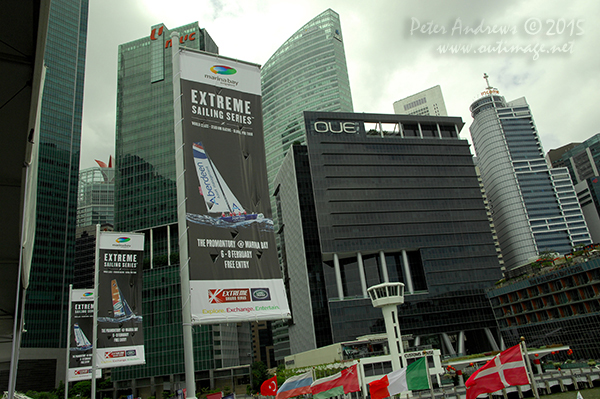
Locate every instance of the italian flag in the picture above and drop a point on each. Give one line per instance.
(345, 381)
(411, 378)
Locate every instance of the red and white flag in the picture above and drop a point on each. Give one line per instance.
(269, 387)
(505, 369)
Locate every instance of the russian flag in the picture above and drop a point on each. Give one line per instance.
(296, 385)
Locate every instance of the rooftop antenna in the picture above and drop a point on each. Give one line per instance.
(485, 76)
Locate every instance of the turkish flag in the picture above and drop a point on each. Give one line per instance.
(269, 387)
(505, 369)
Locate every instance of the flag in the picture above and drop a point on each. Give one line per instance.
(217, 395)
(345, 381)
(230, 396)
(269, 387)
(296, 385)
(411, 378)
(579, 395)
(505, 369)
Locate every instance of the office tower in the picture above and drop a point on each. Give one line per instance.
(583, 162)
(378, 198)
(145, 201)
(581, 159)
(427, 102)
(535, 208)
(95, 205)
(307, 73)
(57, 173)
(23, 29)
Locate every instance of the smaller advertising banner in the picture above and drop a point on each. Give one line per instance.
(82, 329)
(120, 333)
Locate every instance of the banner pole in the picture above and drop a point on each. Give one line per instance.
(528, 368)
(95, 322)
(68, 354)
(184, 272)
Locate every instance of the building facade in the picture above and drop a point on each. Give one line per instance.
(380, 198)
(554, 304)
(534, 207)
(426, 102)
(307, 73)
(95, 203)
(581, 159)
(145, 201)
(46, 302)
(588, 194)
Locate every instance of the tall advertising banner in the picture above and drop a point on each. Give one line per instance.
(120, 333)
(234, 271)
(82, 328)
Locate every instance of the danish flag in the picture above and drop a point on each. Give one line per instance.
(505, 369)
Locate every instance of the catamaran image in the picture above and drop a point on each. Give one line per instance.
(217, 195)
(121, 310)
(81, 340)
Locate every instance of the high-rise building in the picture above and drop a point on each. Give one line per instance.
(95, 205)
(307, 73)
(426, 102)
(46, 302)
(583, 162)
(145, 201)
(376, 198)
(96, 195)
(534, 207)
(582, 159)
(23, 29)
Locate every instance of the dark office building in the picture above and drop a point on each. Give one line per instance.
(380, 198)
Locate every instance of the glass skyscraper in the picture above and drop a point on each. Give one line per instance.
(145, 201)
(307, 73)
(58, 174)
(535, 208)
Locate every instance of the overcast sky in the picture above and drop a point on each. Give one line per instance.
(393, 49)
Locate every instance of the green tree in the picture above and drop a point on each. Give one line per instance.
(259, 375)
(82, 389)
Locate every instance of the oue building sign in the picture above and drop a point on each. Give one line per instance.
(336, 127)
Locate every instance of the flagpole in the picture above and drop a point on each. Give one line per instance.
(428, 375)
(529, 370)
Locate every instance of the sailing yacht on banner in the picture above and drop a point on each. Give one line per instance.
(121, 310)
(81, 340)
(217, 195)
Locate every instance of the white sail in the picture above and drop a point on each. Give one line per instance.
(80, 338)
(118, 309)
(217, 195)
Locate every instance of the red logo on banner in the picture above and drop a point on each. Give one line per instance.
(115, 354)
(225, 296)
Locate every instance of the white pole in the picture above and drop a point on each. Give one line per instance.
(68, 355)
(528, 367)
(95, 322)
(186, 309)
